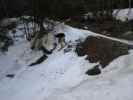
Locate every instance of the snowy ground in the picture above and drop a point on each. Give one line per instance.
(62, 76)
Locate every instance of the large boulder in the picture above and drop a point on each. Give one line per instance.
(101, 50)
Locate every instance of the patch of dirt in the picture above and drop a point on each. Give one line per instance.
(101, 50)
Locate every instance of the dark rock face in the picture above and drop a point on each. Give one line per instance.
(101, 50)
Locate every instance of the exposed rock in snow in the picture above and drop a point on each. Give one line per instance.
(101, 50)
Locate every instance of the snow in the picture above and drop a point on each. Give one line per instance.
(70, 32)
(123, 14)
(43, 77)
(113, 84)
(17, 56)
(62, 76)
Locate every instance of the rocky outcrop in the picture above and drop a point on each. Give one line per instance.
(101, 50)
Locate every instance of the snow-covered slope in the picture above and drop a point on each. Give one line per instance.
(115, 83)
(62, 76)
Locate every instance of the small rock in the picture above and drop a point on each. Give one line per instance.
(10, 75)
(94, 71)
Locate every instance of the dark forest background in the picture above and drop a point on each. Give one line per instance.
(57, 9)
